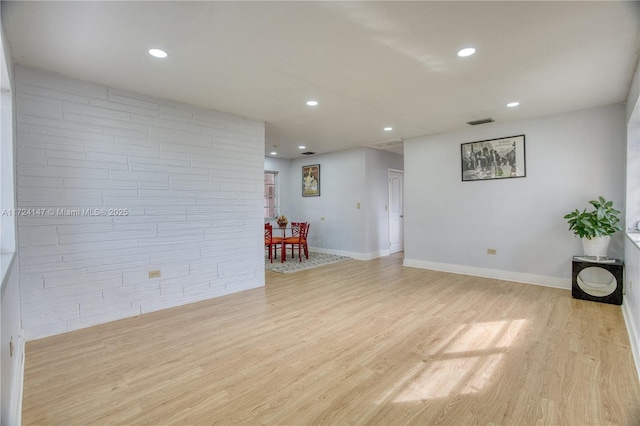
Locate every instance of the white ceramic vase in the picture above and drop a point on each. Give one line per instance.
(596, 246)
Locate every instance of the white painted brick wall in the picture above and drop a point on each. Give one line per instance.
(190, 178)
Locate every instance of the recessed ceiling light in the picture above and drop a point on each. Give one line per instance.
(513, 104)
(273, 153)
(312, 103)
(388, 129)
(158, 53)
(302, 147)
(467, 51)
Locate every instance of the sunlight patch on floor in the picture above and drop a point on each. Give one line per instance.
(466, 363)
(460, 375)
(485, 335)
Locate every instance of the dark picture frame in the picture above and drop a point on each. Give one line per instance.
(311, 180)
(501, 158)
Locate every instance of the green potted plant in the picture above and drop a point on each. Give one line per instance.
(595, 227)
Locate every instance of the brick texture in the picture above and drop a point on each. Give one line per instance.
(114, 185)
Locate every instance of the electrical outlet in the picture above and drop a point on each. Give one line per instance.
(491, 251)
(154, 274)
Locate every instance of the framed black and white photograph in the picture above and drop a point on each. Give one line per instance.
(311, 181)
(493, 159)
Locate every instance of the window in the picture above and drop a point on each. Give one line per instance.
(270, 195)
(7, 191)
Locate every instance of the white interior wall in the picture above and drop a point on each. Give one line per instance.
(342, 184)
(11, 336)
(12, 348)
(378, 163)
(190, 181)
(631, 298)
(346, 178)
(570, 159)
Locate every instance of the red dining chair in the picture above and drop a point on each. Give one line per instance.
(270, 240)
(295, 233)
(299, 238)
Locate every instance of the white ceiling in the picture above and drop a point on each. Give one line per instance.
(369, 64)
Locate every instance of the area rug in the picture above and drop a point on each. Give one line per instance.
(294, 265)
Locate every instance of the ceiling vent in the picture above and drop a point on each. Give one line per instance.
(483, 121)
(307, 153)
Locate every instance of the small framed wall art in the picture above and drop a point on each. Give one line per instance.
(493, 159)
(311, 181)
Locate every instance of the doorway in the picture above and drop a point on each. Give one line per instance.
(396, 211)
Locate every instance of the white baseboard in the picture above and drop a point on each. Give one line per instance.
(351, 254)
(542, 280)
(629, 321)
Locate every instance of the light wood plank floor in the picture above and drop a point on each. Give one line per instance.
(350, 343)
